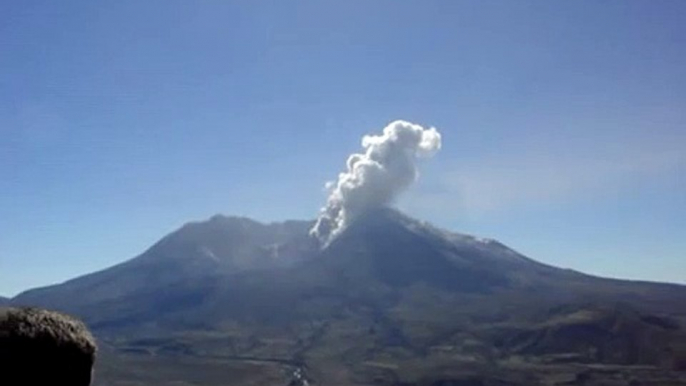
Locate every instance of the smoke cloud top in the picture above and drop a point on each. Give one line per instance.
(374, 178)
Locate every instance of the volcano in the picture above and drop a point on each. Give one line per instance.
(391, 300)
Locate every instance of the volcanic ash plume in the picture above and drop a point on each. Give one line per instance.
(375, 177)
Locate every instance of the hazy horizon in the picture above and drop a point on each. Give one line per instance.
(563, 127)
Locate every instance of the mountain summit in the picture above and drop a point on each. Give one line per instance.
(387, 293)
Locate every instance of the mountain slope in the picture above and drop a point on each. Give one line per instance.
(172, 273)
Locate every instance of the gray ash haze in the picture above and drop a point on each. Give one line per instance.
(375, 177)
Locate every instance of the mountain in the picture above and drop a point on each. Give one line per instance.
(391, 300)
(4, 301)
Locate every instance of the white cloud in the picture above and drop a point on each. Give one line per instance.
(375, 177)
(476, 187)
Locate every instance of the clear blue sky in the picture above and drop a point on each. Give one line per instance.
(564, 123)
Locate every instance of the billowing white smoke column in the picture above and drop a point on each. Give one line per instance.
(375, 177)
